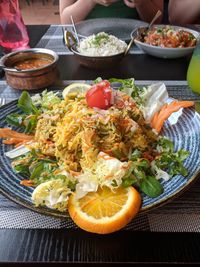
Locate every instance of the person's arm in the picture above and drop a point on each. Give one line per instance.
(78, 9)
(184, 11)
(146, 8)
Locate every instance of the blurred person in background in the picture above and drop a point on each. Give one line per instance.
(88, 9)
(184, 11)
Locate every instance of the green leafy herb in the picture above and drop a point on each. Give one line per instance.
(22, 168)
(31, 123)
(166, 144)
(37, 170)
(128, 181)
(159, 30)
(99, 38)
(97, 80)
(15, 119)
(135, 155)
(27, 121)
(48, 100)
(142, 176)
(172, 162)
(26, 105)
(128, 86)
(151, 187)
(71, 185)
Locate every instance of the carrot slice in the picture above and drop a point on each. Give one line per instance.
(154, 119)
(160, 117)
(12, 141)
(8, 133)
(27, 183)
(23, 142)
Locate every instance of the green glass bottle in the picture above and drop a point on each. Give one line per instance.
(193, 73)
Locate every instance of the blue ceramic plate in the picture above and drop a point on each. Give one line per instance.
(184, 133)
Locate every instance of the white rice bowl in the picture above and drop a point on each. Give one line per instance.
(101, 44)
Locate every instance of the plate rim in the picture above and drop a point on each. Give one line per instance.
(149, 208)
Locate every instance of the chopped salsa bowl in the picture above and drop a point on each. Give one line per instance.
(166, 41)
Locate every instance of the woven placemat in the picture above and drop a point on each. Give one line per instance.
(181, 215)
(53, 39)
(176, 89)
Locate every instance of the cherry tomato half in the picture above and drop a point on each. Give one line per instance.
(99, 95)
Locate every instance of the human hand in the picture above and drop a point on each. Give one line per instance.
(133, 3)
(104, 2)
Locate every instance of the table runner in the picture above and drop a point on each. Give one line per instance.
(176, 89)
(180, 215)
(53, 39)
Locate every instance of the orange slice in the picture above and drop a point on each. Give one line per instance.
(105, 211)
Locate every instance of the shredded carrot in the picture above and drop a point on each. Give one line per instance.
(131, 104)
(126, 97)
(124, 122)
(165, 112)
(8, 133)
(21, 143)
(73, 173)
(125, 167)
(148, 156)
(119, 104)
(49, 142)
(12, 141)
(105, 157)
(15, 141)
(154, 119)
(108, 177)
(27, 183)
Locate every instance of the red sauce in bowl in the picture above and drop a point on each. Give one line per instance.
(32, 63)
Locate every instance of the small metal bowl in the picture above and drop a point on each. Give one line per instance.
(30, 79)
(163, 52)
(93, 62)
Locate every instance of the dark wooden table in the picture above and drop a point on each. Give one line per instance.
(124, 247)
(141, 67)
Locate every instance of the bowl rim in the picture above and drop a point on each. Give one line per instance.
(30, 50)
(164, 48)
(73, 49)
(195, 33)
